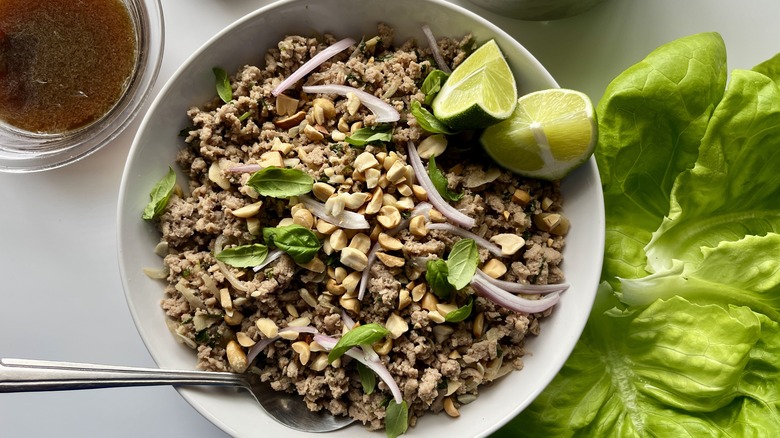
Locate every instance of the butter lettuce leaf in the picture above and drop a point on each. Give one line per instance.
(675, 368)
(684, 338)
(734, 188)
(651, 121)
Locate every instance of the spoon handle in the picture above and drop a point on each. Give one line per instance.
(22, 375)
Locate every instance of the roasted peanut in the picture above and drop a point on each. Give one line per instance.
(494, 268)
(244, 340)
(304, 353)
(449, 407)
(354, 258)
(267, 327)
(417, 226)
(389, 242)
(236, 357)
(389, 217)
(390, 261)
(432, 146)
(322, 191)
(397, 325)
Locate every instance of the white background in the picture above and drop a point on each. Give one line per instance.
(61, 297)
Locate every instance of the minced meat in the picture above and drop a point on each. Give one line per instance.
(211, 304)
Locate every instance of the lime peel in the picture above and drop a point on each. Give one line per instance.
(480, 92)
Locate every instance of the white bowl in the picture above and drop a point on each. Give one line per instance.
(245, 41)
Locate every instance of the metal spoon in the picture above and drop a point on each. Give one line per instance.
(20, 375)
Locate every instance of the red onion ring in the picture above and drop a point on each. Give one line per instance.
(313, 63)
(383, 111)
(520, 288)
(375, 365)
(434, 46)
(512, 302)
(434, 197)
(263, 343)
(244, 168)
(347, 219)
(273, 255)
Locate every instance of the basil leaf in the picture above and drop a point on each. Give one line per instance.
(243, 256)
(367, 378)
(278, 182)
(159, 195)
(373, 134)
(462, 263)
(224, 90)
(297, 241)
(460, 313)
(364, 334)
(432, 84)
(439, 181)
(428, 121)
(396, 419)
(436, 276)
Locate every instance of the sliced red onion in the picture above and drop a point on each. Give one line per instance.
(273, 255)
(481, 241)
(434, 197)
(263, 343)
(435, 49)
(244, 168)
(383, 111)
(420, 209)
(512, 302)
(347, 219)
(520, 288)
(376, 365)
(348, 321)
(313, 63)
(367, 272)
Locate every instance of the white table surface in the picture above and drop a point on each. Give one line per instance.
(61, 292)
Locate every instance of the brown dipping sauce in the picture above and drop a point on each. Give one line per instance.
(63, 63)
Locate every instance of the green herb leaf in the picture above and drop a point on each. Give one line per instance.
(396, 419)
(367, 378)
(224, 89)
(436, 276)
(364, 334)
(244, 116)
(298, 242)
(428, 121)
(159, 195)
(278, 182)
(432, 84)
(373, 134)
(462, 263)
(243, 256)
(439, 181)
(460, 313)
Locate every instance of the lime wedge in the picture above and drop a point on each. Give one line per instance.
(550, 133)
(480, 92)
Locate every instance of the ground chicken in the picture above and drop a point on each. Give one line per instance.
(210, 299)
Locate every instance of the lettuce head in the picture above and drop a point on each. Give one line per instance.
(684, 339)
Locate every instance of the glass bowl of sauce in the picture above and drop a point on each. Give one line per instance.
(73, 74)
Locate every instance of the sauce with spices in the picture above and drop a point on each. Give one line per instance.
(63, 63)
